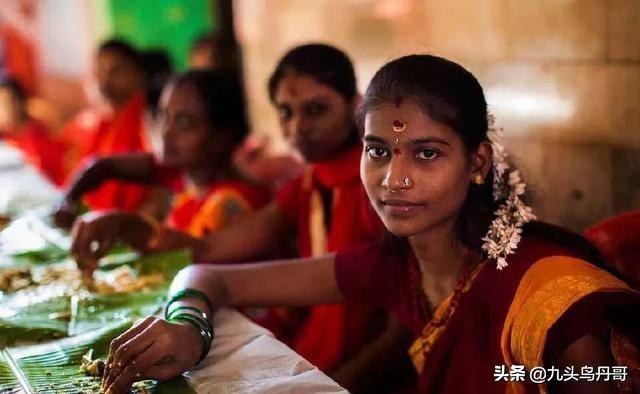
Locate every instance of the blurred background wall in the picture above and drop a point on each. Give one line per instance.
(561, 76)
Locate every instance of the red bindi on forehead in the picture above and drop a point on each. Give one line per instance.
(398, 101)
(397, 151)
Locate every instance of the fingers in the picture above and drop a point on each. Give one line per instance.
(160, 351)
(135, 369)
(89, 243)
(128, 352)
(121, 340)
(64, 215)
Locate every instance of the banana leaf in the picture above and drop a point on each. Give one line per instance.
(8, 381)
(54, 367)
(21, 321)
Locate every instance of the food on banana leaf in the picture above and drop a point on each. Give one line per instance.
(91, 367)
(15, 278)
(4, 220)
(66, 278)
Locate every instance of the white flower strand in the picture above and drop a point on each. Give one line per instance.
(505, 231)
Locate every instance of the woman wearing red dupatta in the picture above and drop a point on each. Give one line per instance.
(491, 295)
(120, 129)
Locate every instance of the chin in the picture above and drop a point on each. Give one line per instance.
(401, 229)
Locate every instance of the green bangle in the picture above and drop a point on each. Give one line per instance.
(176, 312)
(206, 335)
(168, 313)
(190, 293)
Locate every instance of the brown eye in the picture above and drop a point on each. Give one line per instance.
(428, 154)
(376, 152)
(315, 109)
(285, 113)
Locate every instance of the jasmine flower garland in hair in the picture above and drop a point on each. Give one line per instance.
(505, 231)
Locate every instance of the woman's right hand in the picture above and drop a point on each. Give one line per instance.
(152, 349)
(95, 233)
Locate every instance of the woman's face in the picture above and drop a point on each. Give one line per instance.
(187, 138)
(416, 179)
(314, 118)
(118, 77)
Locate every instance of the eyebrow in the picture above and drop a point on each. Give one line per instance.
(322, 99)
(414, 141)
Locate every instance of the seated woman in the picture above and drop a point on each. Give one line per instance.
(201, 121)
(27, 134)
(326, 209)
(465, 266)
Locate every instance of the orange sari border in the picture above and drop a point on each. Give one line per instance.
(538, 305)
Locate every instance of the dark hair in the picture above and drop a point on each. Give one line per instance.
(16, 88)
(123, 49)
(451, 95)
(324, 63)
(221, 95)
(157, 68)
(225, 51)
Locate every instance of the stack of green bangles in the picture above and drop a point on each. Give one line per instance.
(192, 315)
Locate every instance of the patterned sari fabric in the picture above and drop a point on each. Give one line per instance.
(543, 301)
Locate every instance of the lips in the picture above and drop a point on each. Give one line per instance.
(399, 207)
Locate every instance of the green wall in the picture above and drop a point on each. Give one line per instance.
(166, 24)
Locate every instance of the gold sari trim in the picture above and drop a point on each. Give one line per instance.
(546, 291)
(220, 210)
(430, 334)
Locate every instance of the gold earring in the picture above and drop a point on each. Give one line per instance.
(478, 179)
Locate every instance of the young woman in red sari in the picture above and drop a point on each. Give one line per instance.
(325, 209)
(455, 213)
(27, 134)
(117, 128)
(201, 120)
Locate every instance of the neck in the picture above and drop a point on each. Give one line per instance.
(200, 178)
(438, 252)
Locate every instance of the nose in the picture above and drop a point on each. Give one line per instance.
(297, 127)
(397, 176)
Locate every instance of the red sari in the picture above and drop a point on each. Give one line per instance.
(40, 149)
(91, 134)
(543, 301)
(618, 239)
(329, 210)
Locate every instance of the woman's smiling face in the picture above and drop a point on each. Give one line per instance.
(416, 179)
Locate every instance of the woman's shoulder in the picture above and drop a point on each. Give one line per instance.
(559, 286)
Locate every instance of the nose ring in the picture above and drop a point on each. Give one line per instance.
(407, 182)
